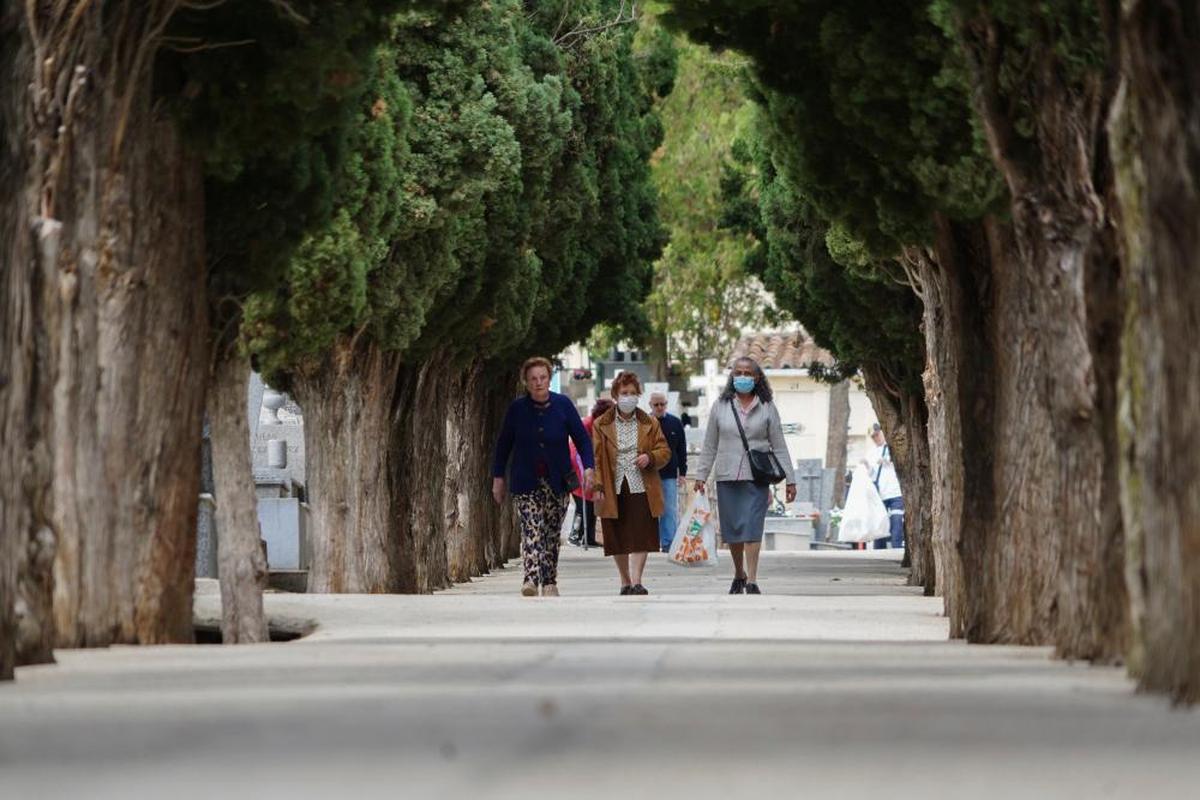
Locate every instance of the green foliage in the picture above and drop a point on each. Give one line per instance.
(265, 90)
(850, 307)
(873, 98)
(703, 298)
(866, 133)
(499, 191)
(1018, 48)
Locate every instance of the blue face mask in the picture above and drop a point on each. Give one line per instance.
(743, 384)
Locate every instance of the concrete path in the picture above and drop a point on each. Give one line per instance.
(837, 682)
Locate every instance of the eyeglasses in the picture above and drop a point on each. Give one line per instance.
(656, 405)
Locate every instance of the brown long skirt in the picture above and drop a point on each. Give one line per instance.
(635, 530)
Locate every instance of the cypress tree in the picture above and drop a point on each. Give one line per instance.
(876, 131)
(522, 215)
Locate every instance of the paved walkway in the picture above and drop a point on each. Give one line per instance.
(837, 682)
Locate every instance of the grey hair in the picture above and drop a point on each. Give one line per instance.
(762, 387)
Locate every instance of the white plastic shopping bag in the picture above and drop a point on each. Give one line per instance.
(865, 518)
(695, 542)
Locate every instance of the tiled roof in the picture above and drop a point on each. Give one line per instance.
(790, 350)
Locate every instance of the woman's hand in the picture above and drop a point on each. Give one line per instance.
(699, 487)
(642, 461)
(498, 490)
(791, 493)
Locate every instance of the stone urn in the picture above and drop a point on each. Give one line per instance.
(273, 401)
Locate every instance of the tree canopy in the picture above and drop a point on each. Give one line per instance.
(495, 198)
(703, 296)
(865, 132)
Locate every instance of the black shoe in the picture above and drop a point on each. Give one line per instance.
(738, 586)
(639, 589)
(752, 588)
(626, 590)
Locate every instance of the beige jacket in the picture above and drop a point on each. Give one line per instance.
(650, 441)
(723, 454)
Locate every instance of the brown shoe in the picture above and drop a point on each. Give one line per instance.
(550, 590)
(528, 590)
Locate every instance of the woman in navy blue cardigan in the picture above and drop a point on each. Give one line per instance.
(534, 438)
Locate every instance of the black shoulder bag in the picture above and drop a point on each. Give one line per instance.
(764, 466)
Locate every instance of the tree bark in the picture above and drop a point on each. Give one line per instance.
(1157, 153)
(350, 441)
(242, 564)
(902, 415)
(399, 459)
(103, 333)
(837, 438)
(424, 403)
(480, 536)
(992, 453)
(1055, 307)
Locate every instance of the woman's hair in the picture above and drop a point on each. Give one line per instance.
(625, 379)
(602, 404)
(536, 361)
(762, 387)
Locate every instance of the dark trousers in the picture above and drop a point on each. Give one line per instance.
(895, 524)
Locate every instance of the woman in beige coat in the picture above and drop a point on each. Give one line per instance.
(630, 450)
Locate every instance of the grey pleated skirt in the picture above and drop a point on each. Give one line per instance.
(742, 509)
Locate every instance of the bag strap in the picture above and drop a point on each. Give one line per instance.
(738, 419)
(879, 469)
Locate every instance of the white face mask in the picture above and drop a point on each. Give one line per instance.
(627, 403)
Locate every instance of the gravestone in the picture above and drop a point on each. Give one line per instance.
(814, 484)
(809, 472)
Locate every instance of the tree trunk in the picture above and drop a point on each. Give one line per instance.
(103, 333)
(424, 403)
(14, 243)
(399, 461)
(837, 437)
(480, 536)
(1157, 150)
(992, 454)
(242, 565)
(903, 417)
(350, 441)
(1056, 304)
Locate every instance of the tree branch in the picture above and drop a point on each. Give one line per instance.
(579, 32)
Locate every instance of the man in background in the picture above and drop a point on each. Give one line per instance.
(883, 472)
(674, 474)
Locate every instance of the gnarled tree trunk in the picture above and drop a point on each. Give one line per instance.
(989, 454)
(242, 565)
(1157, 149)
(350, 442)
(479, 536)
(903, 417)
(424, 402)
(1064, 294)
(399, 460)
(103, 332)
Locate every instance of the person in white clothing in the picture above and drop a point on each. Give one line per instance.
(883, 473)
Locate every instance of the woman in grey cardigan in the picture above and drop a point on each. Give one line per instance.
(742, 503)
